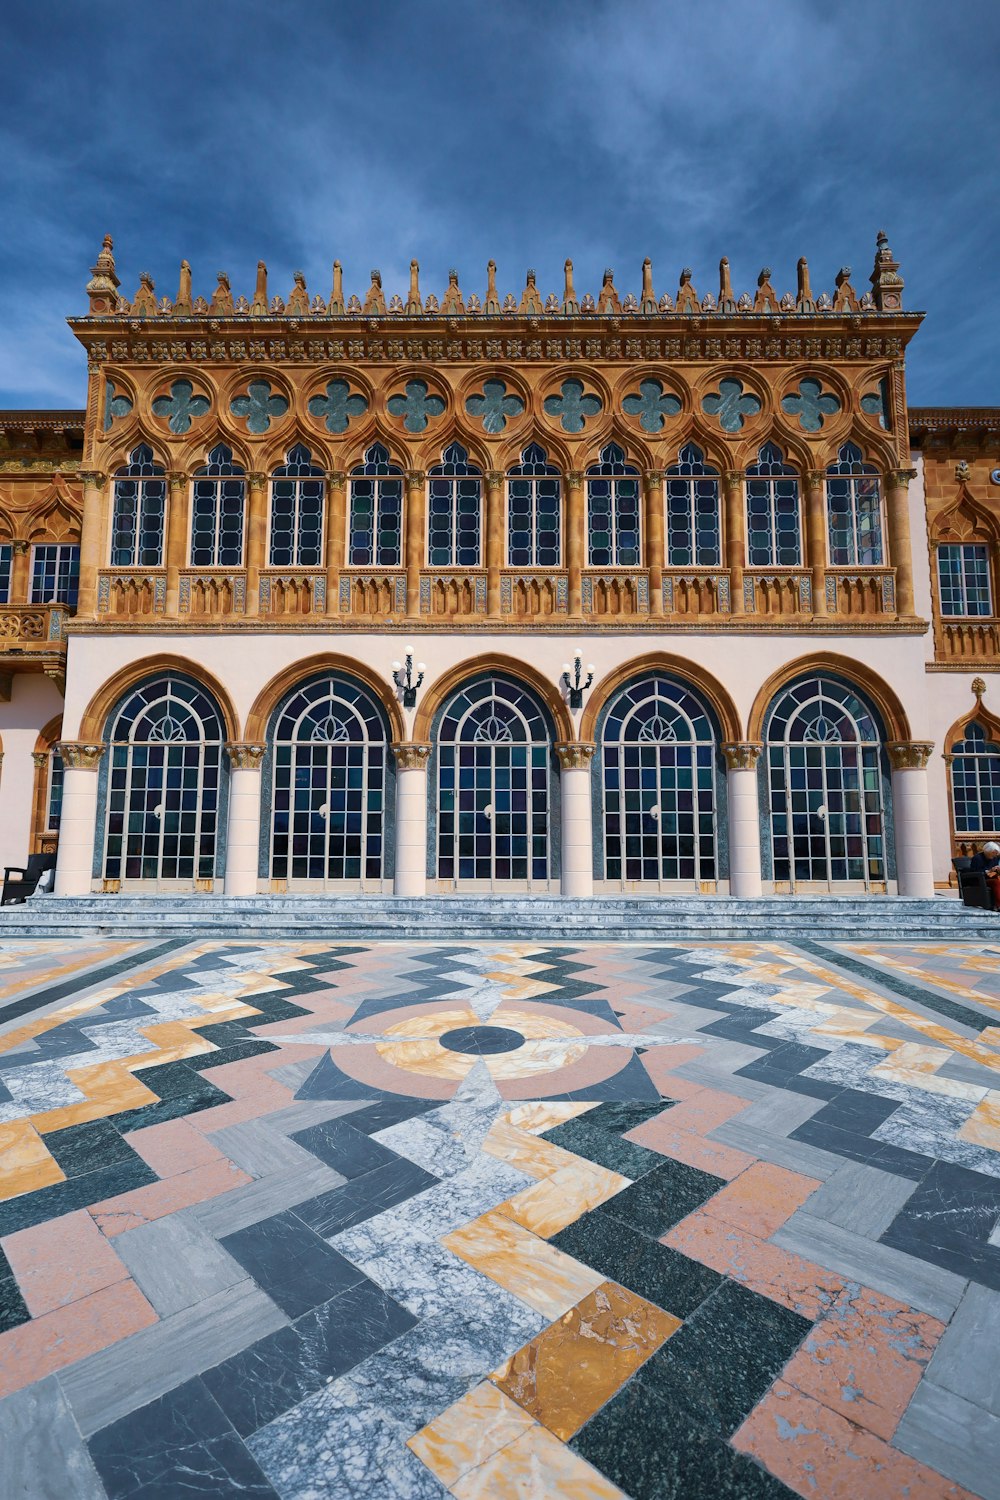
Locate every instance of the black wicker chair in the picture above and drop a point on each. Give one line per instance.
(20, 881)
(973, 887)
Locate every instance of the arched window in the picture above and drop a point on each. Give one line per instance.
(454, 510)
(217, 507)
(533, 512)
(494, 750)
(6, 557)
(975, 783)
(376, 511)
(964, 578)
(694, 531)
(824, 766)
(854, 511)
(330, 748)
(659, 781)
(54, 791)
(139, 512)
(774, 527)
(613, 508)
(297, 492)
(164, 770)
(55, 574)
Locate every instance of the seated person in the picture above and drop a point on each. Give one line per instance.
(988, 861)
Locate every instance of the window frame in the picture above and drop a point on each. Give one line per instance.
(699, 473)
(310, 474)
(962, 579)
(227, 471)
(613, 471)
(464, 473)
(772, 472)
(532, 471)
(851, 471)
(382, 474)
(68, 595)
(147, 476)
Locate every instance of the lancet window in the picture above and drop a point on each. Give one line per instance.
(854, 511)
(139, 512)
(454, 511)
(55, 574)
(694, 532)
(774, 525)
(6, 554)
(376, 511)
(975, 783)
(964, 578)
(533, 512)
(613, 507)
(217, 511)
(297, 494)
(54, 791)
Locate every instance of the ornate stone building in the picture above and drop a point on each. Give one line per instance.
(640, 593)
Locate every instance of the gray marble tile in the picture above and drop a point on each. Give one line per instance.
(702, 1072)
(795, 1155)
(306, 1112)
(929, 1123)
(41, 1451)
(426, 1278)
(261, 1150)
(965, 1361)
(779, 1111)
(861, 1198)
(176, 1262)
(269, 1195)
(956, 1437)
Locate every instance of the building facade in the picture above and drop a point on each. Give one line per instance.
(643, 594)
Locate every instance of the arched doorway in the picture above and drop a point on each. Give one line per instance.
(827, 791)
(328, 771)
(493, 787)
(659, 769)
(163, 783)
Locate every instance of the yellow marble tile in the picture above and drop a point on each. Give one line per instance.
(917, 1065)
(538, 1116)
(108, 1087)
(536, 1466)
(983, 1125)
(563, 1198)
(527, 1152)
(531, 1269)
(25, 1161)
(470, 1432)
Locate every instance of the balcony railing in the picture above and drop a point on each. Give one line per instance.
(31, 627)
(971, 640)
(696, 592)
(862, 591)
(128, 593)
(372, 594)
(777, 593)
(212, 593)
(616, 594)
(453, 593)
(294, 593)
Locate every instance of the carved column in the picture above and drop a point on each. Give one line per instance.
(256, 538)
(744, 820)
(577, 827)
(653, 485)
(336, 537)
(897, 500)
(19, 571)
(816, 534)
(176, 555)
(411, 819)
(575, 531)
(911, 816)
(78, 821)
(416, 527)
(92, 551)
(243, 829)
(494, 541)
(735, 523)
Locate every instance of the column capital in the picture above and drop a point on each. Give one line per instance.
(909, 755)
(733, 477)
(574, 478)
(177, 479)
(336, 478)
(77, 755)
(256, 479)
(814, 478)
(244, 757)
(95, 477)
(743, 755)
(415, 477)
(40, 758)
(900, 478)
(575, 755)
(653, 477)
(19, 546)
(411, 755)
(495, 477)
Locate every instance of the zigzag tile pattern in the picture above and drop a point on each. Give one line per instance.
(296, 1219)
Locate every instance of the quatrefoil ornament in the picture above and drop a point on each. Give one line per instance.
(731, 404)
(181, 406)
(258, 406)
(114, 405)
(572, 406)
(811, 404)
(652, 405)
(876, 403)
(337, 406)
(416, 406)
(494, 405)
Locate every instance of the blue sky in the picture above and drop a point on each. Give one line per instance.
(525, 130)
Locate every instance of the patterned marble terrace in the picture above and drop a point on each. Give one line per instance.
(678, 1221)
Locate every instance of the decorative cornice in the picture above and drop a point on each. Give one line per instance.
(79, 756)
(243, 757)
(411, 755)
(910, 755)
(575, 755)
(742, 756)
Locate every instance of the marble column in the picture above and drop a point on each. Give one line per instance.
(577, 825)
(336, 537)
(78, 821)
(256, 556)
(243, 826)
(653, 485)
(911, 817)
(494, 541)
(735, 533)
(20, 572)
(416, 528)
(575, 532)
(92, 554)
(744, 820)
(411, 819)
(816, 533)
(897, 502)
(176, 552)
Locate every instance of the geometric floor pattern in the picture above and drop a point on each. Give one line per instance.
(670, 1221)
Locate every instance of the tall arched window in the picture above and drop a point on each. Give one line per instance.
(376, 511)
(659, 756)
(774, 526)
(824, 766)
(613, 509)
(854, 511)
(297, 495)
(217, 507)
(534, 528)
(694, 530)
(454, 511)
(329, 746)
(54, 791)
(494, 752)
(139, 512)
(164, 774)
(6, 560)
(975, 783)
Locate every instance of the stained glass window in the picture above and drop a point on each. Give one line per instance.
(6, 554)
(613, 509)
(454, 510)
(964, 578)
(854, 511)
(139, 512)
(217, 506)
(694, 533)
(55, 574)
(533, 512)
(54, 791)
(298, 491)
(774, 529)
(376, 511)
(975, 783)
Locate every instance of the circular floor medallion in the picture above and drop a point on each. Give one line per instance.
(482, 1041)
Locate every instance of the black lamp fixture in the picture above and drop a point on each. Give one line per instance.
(402, 676)
(575, 683)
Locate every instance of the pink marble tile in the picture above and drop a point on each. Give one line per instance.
(66, 1334)
(173, 1147)
(366, 1064)
(598, 1064)
(142, 1205)
(693, 1150)
(779, 1274)
(761, 1198)
(61, 1261)
(702, 1112)
(661, 1061)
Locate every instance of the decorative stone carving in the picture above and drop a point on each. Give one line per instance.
(411, 756)
(40, 758)
(978, 687)
(909, 755)
(575, 755)
(742, 756)
(246, 757)
(79, 756)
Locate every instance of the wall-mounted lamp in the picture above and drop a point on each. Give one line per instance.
(402, 676)
(575, 683)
